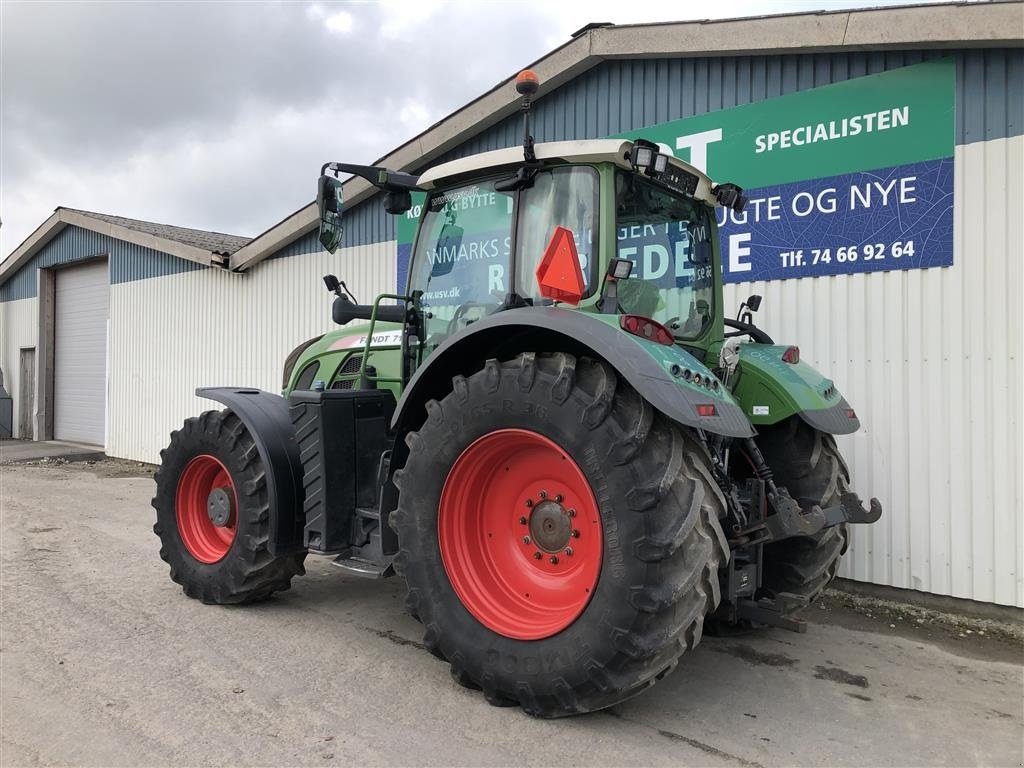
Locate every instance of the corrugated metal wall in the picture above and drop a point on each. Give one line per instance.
(931, 361)
(364, 224)
(209, 328)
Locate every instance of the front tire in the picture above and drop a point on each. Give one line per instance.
(212, 469)
(561, 633)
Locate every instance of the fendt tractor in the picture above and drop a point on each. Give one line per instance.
(554, 436)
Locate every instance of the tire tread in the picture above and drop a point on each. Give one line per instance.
(249, 572)
(682, 548)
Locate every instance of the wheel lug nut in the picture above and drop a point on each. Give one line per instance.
(568, 551)
(522, 521)
(554, 559)
(526, 539)
(537, 555)
(572, 513)
(575, 533)
(529, 503)
(543, 494)
(558, 498)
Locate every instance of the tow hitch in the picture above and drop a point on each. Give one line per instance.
(791, 520)
(787, 519)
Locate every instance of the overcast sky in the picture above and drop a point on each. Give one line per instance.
(218, 115)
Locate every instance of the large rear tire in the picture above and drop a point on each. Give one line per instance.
(212, 467)
(560, 540)
(808, 463)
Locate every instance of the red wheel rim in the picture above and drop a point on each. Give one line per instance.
(206, 542)
(511, 495)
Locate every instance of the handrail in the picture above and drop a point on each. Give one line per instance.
(369, 341)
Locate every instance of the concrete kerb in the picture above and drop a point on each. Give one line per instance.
(25, 451)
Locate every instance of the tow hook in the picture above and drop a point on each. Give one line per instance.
(850, 509)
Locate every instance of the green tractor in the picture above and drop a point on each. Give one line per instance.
(554, 436)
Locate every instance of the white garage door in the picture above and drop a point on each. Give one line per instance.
(81, 309)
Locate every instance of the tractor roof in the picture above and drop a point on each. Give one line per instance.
(592, 151)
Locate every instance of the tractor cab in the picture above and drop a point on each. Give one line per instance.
(611, 227)
(489, 241)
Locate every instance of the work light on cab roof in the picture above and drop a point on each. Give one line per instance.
(533, 431)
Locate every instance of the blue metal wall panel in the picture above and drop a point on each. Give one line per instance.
(367, 223)
(618, 96)
(364, 224)
(127, 261)
(134, 262)
(308, 243)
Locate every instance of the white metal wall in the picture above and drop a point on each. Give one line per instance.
(19, 327)
(172, 334)
(931, 361)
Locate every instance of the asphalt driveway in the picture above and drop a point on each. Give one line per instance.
(103, 661)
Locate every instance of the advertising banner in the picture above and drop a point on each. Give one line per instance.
(845, 178)
(850, 177)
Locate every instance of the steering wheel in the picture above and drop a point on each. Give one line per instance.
(747, 329)
(460, 313)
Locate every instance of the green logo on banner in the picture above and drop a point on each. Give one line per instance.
(878, 121)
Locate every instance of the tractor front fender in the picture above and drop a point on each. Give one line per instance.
(770, 390)
(655, 371)
(266, 417)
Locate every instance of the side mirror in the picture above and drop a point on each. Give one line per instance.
(332, 283)
(397, 203)
(329, 203)
(747, 309)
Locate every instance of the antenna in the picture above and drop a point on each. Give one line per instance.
(527, 84)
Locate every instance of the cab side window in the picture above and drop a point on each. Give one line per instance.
(462, 257)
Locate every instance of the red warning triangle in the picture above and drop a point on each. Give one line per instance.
(558, 274)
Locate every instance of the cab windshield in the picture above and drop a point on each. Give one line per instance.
(668, 239)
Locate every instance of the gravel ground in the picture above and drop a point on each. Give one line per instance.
(103, 661)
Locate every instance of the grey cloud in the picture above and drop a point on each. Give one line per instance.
(89, 88)
(218, 114)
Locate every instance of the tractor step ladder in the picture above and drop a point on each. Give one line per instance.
(360, 567)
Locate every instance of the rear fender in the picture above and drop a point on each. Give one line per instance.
(266, 417)
(771, 390)
(654, 370)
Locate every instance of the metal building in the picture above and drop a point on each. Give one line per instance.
(108, 324)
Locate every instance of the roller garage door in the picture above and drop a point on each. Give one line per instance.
(81, 309)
